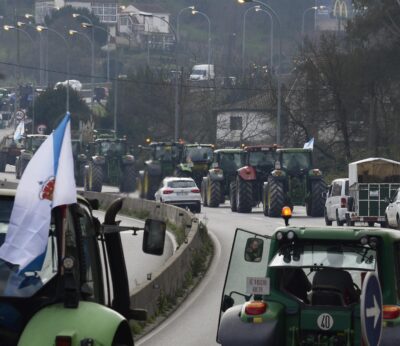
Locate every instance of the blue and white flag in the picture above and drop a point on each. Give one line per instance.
(19, 131)
(47, 182)
(309, 144)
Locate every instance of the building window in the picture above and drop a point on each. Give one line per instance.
(107, 13)
(236, 123)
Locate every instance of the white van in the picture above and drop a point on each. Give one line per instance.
(337, 202)
(202, 72)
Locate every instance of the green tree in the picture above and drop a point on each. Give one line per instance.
(50, 108)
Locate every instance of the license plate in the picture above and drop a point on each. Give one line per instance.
(181, 193)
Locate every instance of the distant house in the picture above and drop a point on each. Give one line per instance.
(146, 24)
(106, 10)
(251, 121)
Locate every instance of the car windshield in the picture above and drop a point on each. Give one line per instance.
(296, 161)
(230, 162)
(181, 184)
(13, 283)
(320, 256)
(261, 158)
(199, 153)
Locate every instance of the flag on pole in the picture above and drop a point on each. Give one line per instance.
(309, 144)
(19, 131)
(47, 182)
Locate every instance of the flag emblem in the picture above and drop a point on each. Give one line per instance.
(48, 189)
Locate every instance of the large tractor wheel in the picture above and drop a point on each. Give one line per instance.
(232, 196)
(276, 197)
(265, 200)
(203, 190)
(318, 187)
(3, 162)
(80, 179)
(22, 166)
(94, 178)
(128, 179)
(244, 197)
(213, 193)
(150, 186)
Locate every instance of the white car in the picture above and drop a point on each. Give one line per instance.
(337, 202)
(181, 192)
(73, 84)
(392, 212)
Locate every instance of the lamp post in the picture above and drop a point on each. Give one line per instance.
(192, 8)
(209, 37)
(88, 25)
(40, 29)
(244, 35)
(18, 28)
(315, 8)
(176, 74)
(76, 15)
(279, 86)
(72, 33)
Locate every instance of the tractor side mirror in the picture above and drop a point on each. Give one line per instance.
(254, 250)
(154, 237)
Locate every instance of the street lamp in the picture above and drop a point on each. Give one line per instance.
(72, 33)
(191, 8)
(77, 15)
(176, 74)
(18, 28)
(86, 26)
(40, 29)
(257, 8)
(315, 8)
(209, 37)
(279, 86)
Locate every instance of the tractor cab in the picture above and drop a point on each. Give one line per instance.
(82, 277)
(295, 161)
(306, 286)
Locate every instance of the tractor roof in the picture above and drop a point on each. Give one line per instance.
(229, 150)
(199, 145)
(272, 147)
(341, 233)
(294, 150)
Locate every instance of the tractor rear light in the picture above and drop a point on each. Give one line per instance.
(168, 192)
(255, 307)
(343, 202)
(391, 312)
(195, 190)
(63, 340)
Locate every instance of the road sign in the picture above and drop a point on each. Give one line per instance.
(19, 115)
(371, 310)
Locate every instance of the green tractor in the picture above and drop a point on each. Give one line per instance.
(215, 186)
(306, 286)
(9, 151)
(80, 296)
(31, 144)
(247, 187)
(163, 158)
(110, 162)
(294, 182)
(195, 161)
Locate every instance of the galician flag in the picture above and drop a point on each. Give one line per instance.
(47, 182)
(309, 144)
(19, 131)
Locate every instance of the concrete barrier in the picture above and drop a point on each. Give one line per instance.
(172, 277)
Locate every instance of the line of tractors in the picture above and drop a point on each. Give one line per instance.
(248, 176)
(267, 174)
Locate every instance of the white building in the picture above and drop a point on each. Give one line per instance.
(246, 122)
(106, 10)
